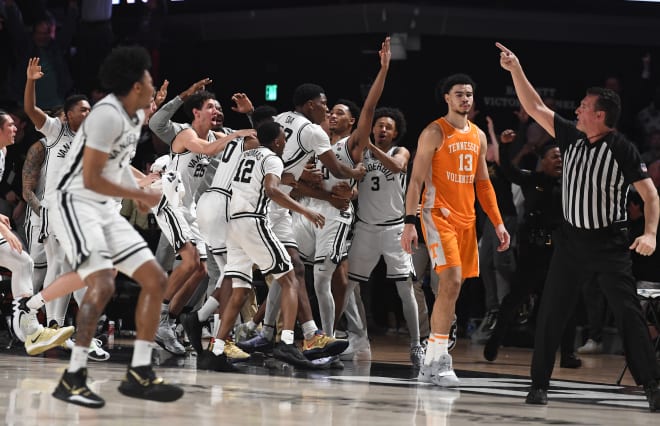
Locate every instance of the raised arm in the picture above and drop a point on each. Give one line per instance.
(359, 139)
(161, 122)
(32, 173)
(493, 153)
(511, 171)
(529, 98)
(36, 114)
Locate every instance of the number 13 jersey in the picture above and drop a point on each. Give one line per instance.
(450, 179)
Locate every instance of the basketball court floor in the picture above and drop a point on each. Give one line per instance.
(381, 392)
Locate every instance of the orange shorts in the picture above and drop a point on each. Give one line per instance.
(449, 246)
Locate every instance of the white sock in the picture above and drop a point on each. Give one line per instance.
(36, 301)
(141, 353)
(251, 325)
(440, 345)
(218, 346)
(309, 329)
(78, 358)
(430, 351)
(287, 336)
(210, 306)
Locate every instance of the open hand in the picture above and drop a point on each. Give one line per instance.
(34, 69)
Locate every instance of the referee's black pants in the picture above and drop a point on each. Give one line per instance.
(580, 256)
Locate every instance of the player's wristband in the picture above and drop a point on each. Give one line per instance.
(410, 218)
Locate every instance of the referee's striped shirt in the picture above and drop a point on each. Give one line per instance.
(596, 176)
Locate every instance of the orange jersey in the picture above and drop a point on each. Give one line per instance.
(450, 180)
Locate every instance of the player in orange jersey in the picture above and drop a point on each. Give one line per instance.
(451, 163)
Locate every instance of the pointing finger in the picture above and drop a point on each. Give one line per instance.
(502, 47)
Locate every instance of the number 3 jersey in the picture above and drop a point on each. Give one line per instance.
(450, 179)
(248, 191)
(382, 193)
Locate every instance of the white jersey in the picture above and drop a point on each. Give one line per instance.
(212, 168)
(192, 167)
(109, 129)
(228, 161)
(59, 138)
(249, 196)
(340, 148)
(303, 139)
(382, 193)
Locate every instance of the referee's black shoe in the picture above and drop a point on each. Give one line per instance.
(537, 396)
(141, 382)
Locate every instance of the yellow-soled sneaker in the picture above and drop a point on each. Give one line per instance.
(234, 353)
(321, 345)
(46, 338)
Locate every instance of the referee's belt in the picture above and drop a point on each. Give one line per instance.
(613, 229)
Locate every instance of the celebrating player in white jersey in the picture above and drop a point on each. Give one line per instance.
(59, 134)
(97, 239)
(326, 248)
(304, 138)
(252, 241)
(191, 150)
(25, 325)
(381, 207)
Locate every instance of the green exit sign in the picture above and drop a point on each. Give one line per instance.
(271, 92)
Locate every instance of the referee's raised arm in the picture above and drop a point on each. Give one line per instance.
(529, 98)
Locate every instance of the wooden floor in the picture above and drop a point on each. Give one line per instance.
(382, 392)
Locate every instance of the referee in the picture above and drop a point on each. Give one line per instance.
(599, 166)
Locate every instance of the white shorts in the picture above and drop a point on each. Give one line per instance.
(281, 223)
(317, 244)
(252, 241)
(179, 227)
(212, 218)
(95, 238)
(35, 247)
(55, 255)
(370, 242)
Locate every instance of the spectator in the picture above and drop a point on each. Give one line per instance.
(45, 43)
